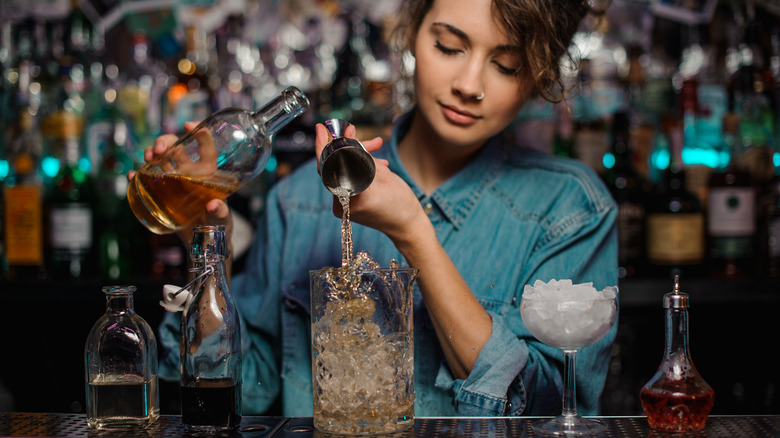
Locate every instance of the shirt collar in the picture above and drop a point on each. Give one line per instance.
(457, 196)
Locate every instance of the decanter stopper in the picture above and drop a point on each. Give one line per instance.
(345, 163)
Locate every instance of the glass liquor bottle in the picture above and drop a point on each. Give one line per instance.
(210, 340)
(676, 398)
(731, 222)
(69, 201)
(120, 243)
(771, 232)
(224, 152)
(626, 186)
(675, 229)
(120, 359)
(22, 202)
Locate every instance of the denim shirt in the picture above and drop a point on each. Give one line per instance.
(512, 216)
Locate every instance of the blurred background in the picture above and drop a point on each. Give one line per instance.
(673, 103)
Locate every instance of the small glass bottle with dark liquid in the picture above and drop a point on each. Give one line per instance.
(677, 399)
(210, 340)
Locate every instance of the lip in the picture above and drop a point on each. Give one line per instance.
(459, 116)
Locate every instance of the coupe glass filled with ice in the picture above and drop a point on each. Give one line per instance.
(568, 316)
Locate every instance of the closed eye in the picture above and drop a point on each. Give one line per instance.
(446, 50)
(505, 70)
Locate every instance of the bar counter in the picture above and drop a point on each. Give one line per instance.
(22, 424)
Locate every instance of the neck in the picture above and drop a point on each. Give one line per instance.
(428, 158)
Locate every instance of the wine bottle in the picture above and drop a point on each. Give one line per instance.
(69, 201)
(731, 222)
(675, 218)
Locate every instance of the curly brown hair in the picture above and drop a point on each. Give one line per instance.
(543, 28)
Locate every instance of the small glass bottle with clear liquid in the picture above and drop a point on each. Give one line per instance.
(210, 340)
(677, 399)
(120, 359)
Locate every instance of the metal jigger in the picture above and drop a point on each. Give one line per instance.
(345, 162)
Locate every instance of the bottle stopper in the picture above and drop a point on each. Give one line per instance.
(175, 298)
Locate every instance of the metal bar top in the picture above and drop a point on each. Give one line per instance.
(18, 424)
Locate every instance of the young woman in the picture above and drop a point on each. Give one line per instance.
(477, 213)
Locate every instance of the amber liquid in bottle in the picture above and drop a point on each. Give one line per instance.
(677, 399)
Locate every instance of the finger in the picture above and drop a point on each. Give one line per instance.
(162, 143)
(382, 161)
(374, 144)
(217, 209)
(189, 126)
(351, 132)
(149, 154)
(130, 175)
(321, 139)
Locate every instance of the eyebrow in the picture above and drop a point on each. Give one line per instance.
(462, 35)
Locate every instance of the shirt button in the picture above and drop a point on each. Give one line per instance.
(428, 208)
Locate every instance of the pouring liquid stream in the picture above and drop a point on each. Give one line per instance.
(346, 226)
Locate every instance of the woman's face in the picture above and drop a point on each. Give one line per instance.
(464, 79)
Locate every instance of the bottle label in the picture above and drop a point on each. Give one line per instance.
(23, 225)
(675, 238)
(71, 227)
(732, 211)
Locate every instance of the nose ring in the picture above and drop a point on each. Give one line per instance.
(481, 96)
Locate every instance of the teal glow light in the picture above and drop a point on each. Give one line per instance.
(776, 159)
(5, 169)
(661, 159)
(271, 165)
(50, 166)
(85, 164)
(608, 160)
(707, 157)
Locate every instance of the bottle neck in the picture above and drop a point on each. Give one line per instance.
(281, 111)
(121, 302)
(676, 333)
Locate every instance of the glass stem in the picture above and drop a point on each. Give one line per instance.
(569, 392)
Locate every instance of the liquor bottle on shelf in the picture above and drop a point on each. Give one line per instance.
(22, 201)
(210, 340)
(748, 100)
(731, 222)
(677, 398)
(627, 187)
(770, 236)
(119, 237)
(140, 91)
(100, 126)
(69, 201)
(675, 234)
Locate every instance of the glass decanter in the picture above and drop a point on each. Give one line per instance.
(677, 399)
(120, 359)
(210, 340)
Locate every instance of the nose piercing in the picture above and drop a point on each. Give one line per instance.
(481, 96)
